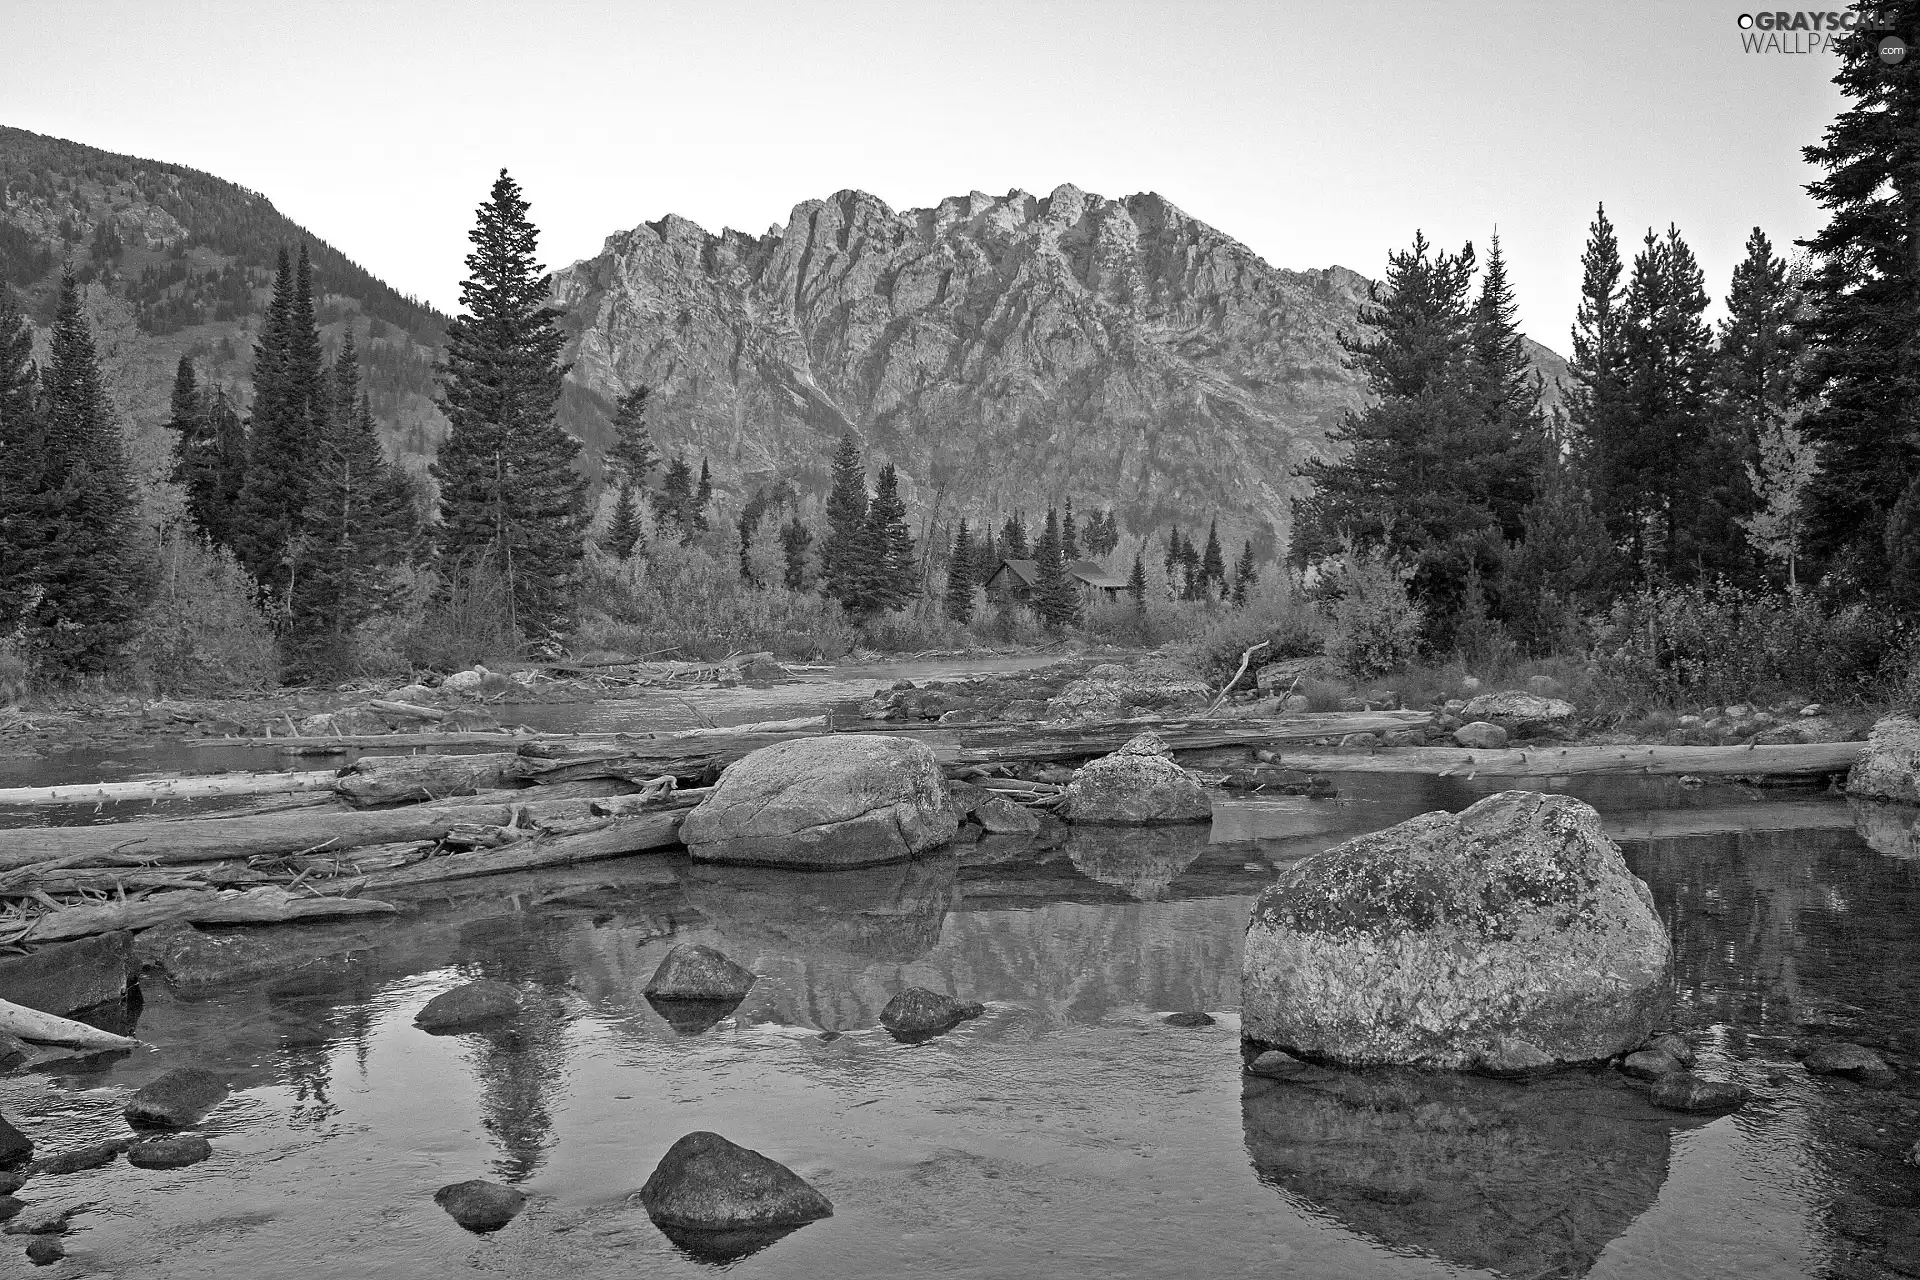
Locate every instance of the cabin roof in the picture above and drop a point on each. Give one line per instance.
(1095, 576)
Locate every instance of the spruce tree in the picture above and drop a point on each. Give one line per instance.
(1213, 562)
(343, 574)
(795, 538)
(1863, 312)
(1013, 539)
(509, 489)
(93, 576)
(702, 497)
(290, 406)
(1245, 575)
(1069, 534)
(1509, 390)
(228, 433)
(632, 454)
(887, 580)
(960, 575)
(986, 560)
(1760, 342)
(1137, 584)
(844, 554)
(626, 535)
(1561, 567)
(1055, 597)
(1597, 397)
(675, 507)
(24, 514)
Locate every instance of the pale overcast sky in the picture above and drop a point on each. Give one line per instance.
(1315, 134)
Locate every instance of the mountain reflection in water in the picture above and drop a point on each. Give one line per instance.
(1068, 1125)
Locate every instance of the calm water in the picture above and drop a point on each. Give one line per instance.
(1067, 1133)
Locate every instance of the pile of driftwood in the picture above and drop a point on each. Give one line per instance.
(328, 842)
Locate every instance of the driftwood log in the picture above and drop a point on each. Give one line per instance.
(148, 843)
(47, 1028)
(1810, 759)
(374, 780)
(266, 905)
(615, 838)
(205, 787)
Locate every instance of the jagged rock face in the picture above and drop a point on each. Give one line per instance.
(1006, 351)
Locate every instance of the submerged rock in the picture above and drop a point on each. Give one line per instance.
(1684, 1091)
(1137, 785)
(44, 1251)
(478, 1205)
(1674, 1046)
(1651, 1064)
(843, 800)
(1850, 1060)
(706, 1183)
(1512, 930)
(93, 1155)
(16, 1148)
(11, 1206)
(917, 1013)
(169, 1153)
(1189, 1018)
(177, 1100)
(693, 972)
(44, 1221)
(1890, 768)
(470, 1004)
(67, 976)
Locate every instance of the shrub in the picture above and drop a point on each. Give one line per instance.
(464, 615)
(685, 600)
(1376, 626)
(204, 632)
(1289, 625)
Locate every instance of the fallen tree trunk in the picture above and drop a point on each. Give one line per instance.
(212, 839)
(266, 905)
(617, 838)
(398, 741)
(373, 780)
(1810, 759)
(406, 709)
(1079, 741)
(47, 1028)
(195, 787)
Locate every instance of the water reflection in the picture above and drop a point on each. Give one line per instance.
(1525, 1179)
(1144, 863)
(888, 913)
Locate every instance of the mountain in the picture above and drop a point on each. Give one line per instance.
(183, 263)
(1006, 352)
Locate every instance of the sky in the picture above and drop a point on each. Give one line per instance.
(1314, 134)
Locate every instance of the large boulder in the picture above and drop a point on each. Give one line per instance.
(470, 1004)
(843, 800)
(1518, 712)
(1116, 691)
(705, 1183)
(1890, 769)
(1136, 786)
(1509, 937)
(693, 972)
(919, 1014)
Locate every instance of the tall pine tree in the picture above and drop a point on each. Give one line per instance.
(1069, 533)
(887, 578)
(290, 404)
(24, 514)
(1598, 395)
(509, 488)
(795, 539)
(1864, 310)
(960, 575)
(93, 576)
(843, 555)
(1055, 597)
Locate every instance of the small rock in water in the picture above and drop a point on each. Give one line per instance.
(1651, 1064)
(917, 1013)
(694, 972)
(10, 1206)
(1276, 1065)
(1001, 816)
(478, 1205)
(706, 1183)
(1850, 1060)
(1913, 1154)
(45, 1251)
(41, 1222)
(12, 1181)
(1683, 1091)
(12, 1050)
(169, 1153)
(1673, 1046)
(177, 1100)
(1188, 1018)
(91, 1156)
(1481, 736)
(16, 1148)
(1514, 1055)
(468, 1005)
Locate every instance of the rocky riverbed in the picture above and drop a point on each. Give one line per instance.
(1069, 1122)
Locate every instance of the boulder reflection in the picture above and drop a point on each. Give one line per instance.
(891, 914)
(1525, 1179)
(1143, 861)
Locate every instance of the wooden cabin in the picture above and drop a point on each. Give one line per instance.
(1016, 578)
